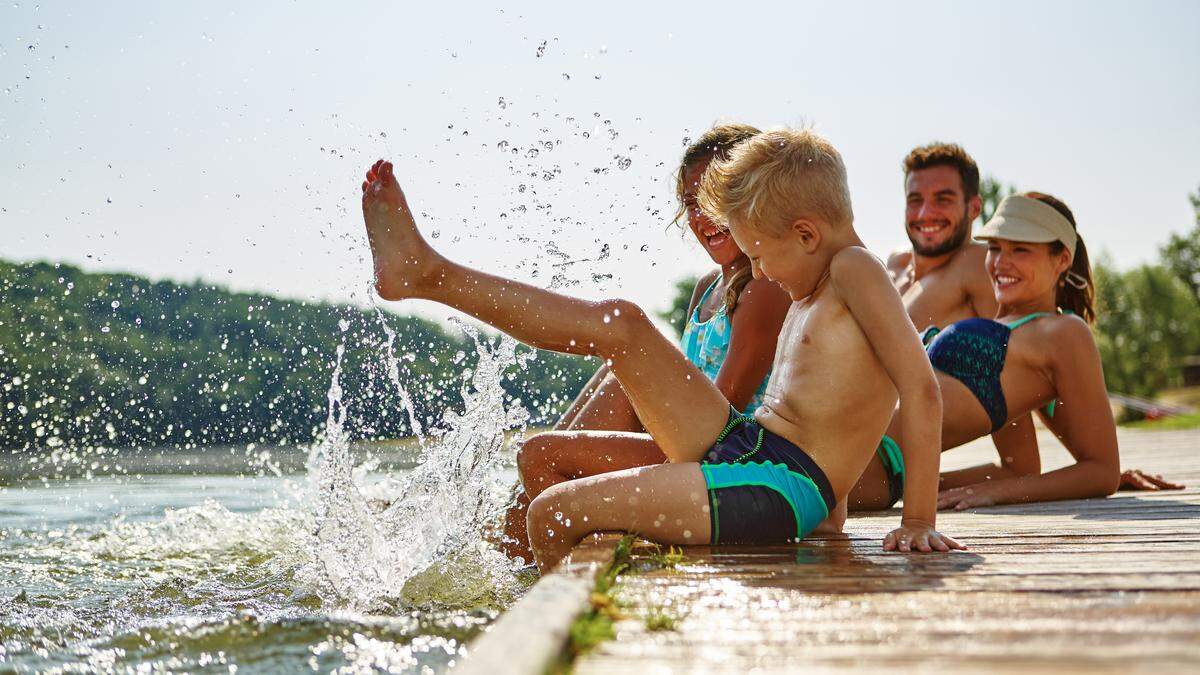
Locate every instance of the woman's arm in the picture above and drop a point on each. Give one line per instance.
(756, 323)
(1088, 431)
(1017, 445)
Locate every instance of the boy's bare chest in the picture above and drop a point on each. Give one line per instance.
(813, 332)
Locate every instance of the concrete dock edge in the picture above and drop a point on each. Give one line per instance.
(532, 634)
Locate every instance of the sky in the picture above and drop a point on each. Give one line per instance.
(227, 141)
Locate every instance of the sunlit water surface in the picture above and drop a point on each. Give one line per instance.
(336, 568)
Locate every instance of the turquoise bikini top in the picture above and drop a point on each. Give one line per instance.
(705, 343)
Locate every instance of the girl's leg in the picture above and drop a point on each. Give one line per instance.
(608, 409)
(556, 457)
(675, 402)
(667, 503)
(559, 456)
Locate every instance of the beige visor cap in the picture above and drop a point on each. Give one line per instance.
(1021, 218)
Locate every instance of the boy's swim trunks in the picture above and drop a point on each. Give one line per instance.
(893, 464)
(762, 489)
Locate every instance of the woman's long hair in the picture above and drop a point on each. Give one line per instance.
(1076, 291)
(715, 144)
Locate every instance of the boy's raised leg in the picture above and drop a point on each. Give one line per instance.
(675, 402)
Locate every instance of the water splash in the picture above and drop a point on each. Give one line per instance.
(362, 557)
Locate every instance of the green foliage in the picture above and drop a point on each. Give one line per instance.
(991, 193)
(118, 360)
(1147, 322)
(1187, 421)
(1181, 254)
(677, 314)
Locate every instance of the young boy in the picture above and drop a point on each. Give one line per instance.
(847, 349)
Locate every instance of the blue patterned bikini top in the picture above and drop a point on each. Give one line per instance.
(973, 352)
(705, 343)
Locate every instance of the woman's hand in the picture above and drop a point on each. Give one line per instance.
(1135, 479)
(967, 496)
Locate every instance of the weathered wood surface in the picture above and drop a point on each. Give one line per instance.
(1082, 586)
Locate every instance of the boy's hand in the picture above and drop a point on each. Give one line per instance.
(966, 497)
(914, 535)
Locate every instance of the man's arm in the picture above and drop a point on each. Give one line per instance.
(864, 287)
(977, 283)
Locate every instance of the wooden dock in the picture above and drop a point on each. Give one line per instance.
(1081, 586)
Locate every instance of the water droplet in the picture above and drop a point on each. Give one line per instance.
(531, 153)
(116, 304)
(623, 163)
(566, 76)
(502, 146)
(541, 50)
(108, 199)
(344, 325)
(502, 103)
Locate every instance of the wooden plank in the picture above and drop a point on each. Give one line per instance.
(1076, 586)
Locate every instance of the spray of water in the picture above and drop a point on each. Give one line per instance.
(361, 556)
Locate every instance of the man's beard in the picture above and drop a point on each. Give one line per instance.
(961, 231)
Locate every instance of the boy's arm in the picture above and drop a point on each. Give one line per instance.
(756, 323)
(863, 286)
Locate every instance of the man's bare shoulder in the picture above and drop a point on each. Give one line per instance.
(899, 259)
(971, 257)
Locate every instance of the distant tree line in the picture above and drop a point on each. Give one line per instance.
(118, 360)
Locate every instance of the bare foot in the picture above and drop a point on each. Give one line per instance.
(404, 262)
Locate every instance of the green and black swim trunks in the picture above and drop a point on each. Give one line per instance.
(893, 464)
(762, 489)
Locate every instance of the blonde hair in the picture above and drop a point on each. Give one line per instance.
(715, 144)
(775, 178)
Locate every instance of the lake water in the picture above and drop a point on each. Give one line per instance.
(204, 573)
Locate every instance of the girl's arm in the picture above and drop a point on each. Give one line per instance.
(1017, 446)
(1088, 431)
(756, 323)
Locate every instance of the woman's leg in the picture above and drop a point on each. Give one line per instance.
(667, 503)
(675, 402)
(556, 457)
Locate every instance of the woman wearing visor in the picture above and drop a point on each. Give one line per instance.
(1037, 354)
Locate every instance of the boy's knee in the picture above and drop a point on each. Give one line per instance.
(625, 320)
(545, 515)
